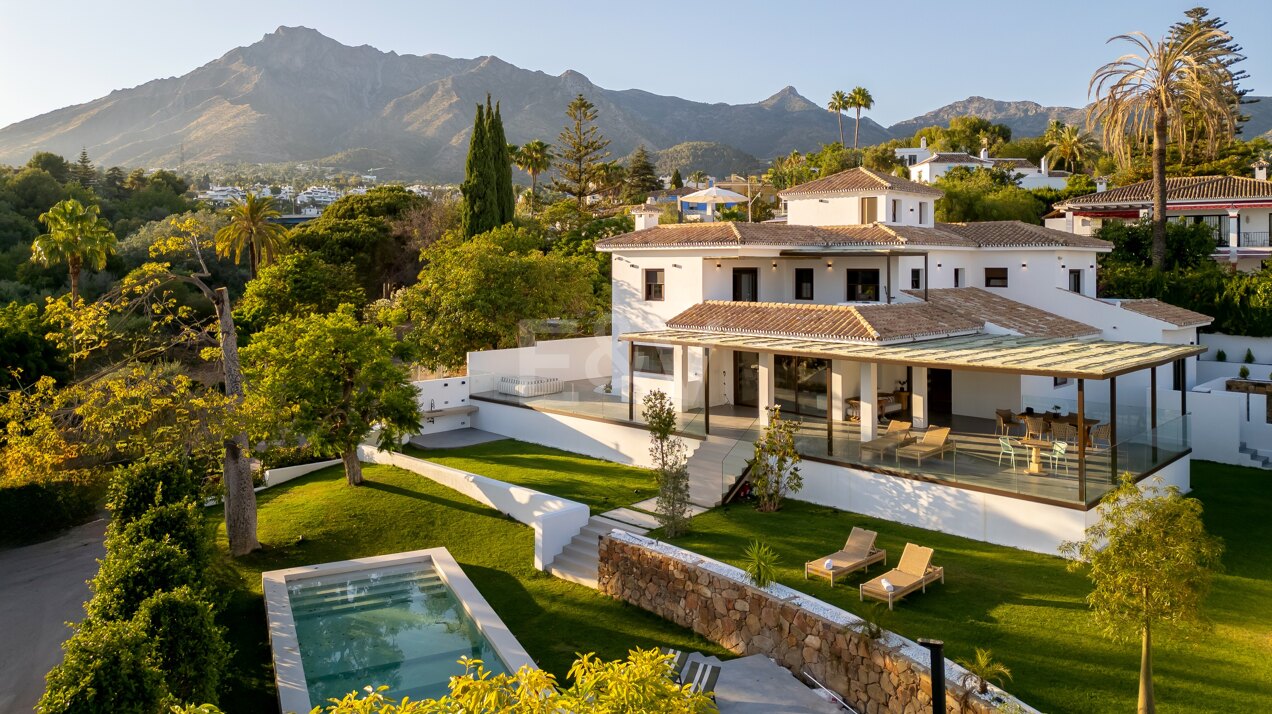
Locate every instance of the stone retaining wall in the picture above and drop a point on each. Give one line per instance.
(885, 674)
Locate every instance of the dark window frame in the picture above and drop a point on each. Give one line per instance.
(916, 278)
(655, 291)
(853, 278)
(804, 278)
(997, 280)
(1076, 273)
(660, 355)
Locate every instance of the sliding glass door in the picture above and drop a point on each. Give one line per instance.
(799, 385)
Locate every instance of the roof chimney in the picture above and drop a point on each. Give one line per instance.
(923, 142)
(1101, 185)
(646, 216)
(1042, 166)
(984, 153)
(1260, 170)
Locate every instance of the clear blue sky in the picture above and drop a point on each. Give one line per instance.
(913, 56)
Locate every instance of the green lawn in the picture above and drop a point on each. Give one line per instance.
(1030, 611)
(602, 485)
(317, 519)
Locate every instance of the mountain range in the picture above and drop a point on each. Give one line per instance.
(297, 95)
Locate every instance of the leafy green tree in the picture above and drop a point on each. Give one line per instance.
(838, 104)
(1150, 562)
(331, 379)
(699, 177)
(671, 462)
(26, 353)
(985, 194)
(388, 202)
(641, 179)
(775, 465)
(108, 667)
(676, 181)
(78, 236)
(1199, 20)
(252, 227)
(787, 171)
(858, 99)
(1180, 87)
(297, 285)
(189, 647)
(582, 149)
(473, 294)
(55, 165)
(534, 157)
(33, 192)
(1187, 245)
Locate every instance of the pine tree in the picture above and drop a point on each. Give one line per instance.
(500, 164)
(1228, 50)
(583, 148)
(641, 177)
(478, 210)
(82, 171)
(676, 181)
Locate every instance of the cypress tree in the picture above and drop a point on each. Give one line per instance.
(476, 214)
(500, 164)
(676, 181)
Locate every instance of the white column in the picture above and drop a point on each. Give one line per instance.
(869, 400)
(1234, 239)
(919, 397)
(680, 387)
(838, 389)
(766, 386)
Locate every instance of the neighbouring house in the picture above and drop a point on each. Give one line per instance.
(858, 310)
(1028, 174)
(913, 155)
(1237, 209)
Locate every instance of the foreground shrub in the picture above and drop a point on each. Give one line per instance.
(108, 667)
(180, 524)
(31, 511)
(136, 488)
(189, 647)
(133, 571)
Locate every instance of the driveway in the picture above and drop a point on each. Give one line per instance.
(42, 587)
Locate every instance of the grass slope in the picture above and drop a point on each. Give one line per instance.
(602, 485)
(1031, 611)
(317, 519)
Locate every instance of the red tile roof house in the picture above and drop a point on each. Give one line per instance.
(860, 309)
(1239, 210)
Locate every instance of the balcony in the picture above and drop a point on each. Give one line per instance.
(1253, 239)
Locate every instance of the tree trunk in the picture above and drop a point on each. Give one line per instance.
(1146, 703)
(73, 266)
(1159, 190)
(856, 127)
(534, 184)
(352, 467)
(252, 259)
(840, 115)
(240, 499)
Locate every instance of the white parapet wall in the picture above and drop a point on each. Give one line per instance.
(1234, 347)
(273, 477)
(566, 360)
(555, 520)
(443, 404)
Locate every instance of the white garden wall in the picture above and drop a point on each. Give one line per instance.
(273, 477)
(1235, 347)
(577, 358)
(555, 520)
(439, 395)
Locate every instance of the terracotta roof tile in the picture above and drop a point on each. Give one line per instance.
(868, 323)
(1014, 163)
(1181, 188)
(952, 157)
(858, 180)
(1018, 317)
(1007, 234)
(1164, 311)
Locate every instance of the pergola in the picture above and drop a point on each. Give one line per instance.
(1078, 359)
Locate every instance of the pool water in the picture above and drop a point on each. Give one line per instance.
(398, 627)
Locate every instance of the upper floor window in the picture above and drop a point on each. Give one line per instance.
(995, 277)
(894, 212)
(869, 209)
(923, 209)
(1075, 280)
(863, 285)
(803, 283)
(916, 278)
(654, 284)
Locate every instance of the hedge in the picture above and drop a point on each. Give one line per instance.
(190, 648)
(33, 511)
(108, 667)
(140, 486)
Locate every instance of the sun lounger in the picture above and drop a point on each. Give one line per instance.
(914, 572)
(858, 552)
(935, 442)
(701, 677)
(897, 435)
(678, 661)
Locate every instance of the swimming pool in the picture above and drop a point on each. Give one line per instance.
(401, 620)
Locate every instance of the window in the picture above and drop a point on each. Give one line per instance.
(1075, 281)
(654, 284)
(863, 285)
(916, 278)
(869, 209)
(995, 277)
(959, 278)
(1058, 382)
(653, 360)
(746, 284)
(895, 214)
(803, 283)
(923, 209)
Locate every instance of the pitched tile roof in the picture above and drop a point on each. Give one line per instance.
(952, 157)
(1018, 317)
(868, 323)
(858, 180)
(1164, 311)
(1015, 163)
(989, 234)
(1181, 188)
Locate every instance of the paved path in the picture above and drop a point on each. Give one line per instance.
(454, 438)
(42, 586)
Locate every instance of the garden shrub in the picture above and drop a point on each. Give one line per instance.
(277, 457)
(1221, 356)
(189, 647)
(180, 524)
(134, 570)
(108, 667)
(1244, 372)
(31, 511)
(1249, 356)
(136, 488)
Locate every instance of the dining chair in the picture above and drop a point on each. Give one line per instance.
(1005, 449)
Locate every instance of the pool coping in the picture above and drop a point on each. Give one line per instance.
(289, 674)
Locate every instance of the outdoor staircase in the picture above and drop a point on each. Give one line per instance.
(706, 466)
(1258, 458)
(577, 563)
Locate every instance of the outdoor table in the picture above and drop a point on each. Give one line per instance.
(1035, 447)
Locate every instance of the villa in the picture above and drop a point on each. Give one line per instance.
(1238, 210)
(960, 377)
(1027, 173)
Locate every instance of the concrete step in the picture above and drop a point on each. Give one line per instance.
(632, 518)
(608, 524)
(574, 574)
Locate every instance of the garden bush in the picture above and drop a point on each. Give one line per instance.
(136, 488)
(180, 524)
(108, 667)
(31, 511)
(277, 457)
(134, 570)
(189, 647)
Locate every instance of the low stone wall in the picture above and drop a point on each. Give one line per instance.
(885, 674)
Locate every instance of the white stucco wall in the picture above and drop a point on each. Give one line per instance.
(578, 358)
(978, 394)
(845, 210)
(440, 394)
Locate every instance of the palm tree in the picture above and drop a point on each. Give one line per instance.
(859, 98)
(837, 104)
(1169, 86)
(1070, 145)
(534, 158)
(983, 669)
(78, 236)
(251, 229)
(697, 178)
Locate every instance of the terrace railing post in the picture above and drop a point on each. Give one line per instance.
(936, 666)
(1181, 367)
(1113, 429)
(631, 381)
(1082, 441)
(830, 409)
(1152, 408)
(706, 391)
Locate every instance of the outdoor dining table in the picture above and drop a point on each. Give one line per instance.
(1035, 447)
(1071, 419)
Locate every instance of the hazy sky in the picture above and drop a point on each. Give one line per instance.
(913, 56)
